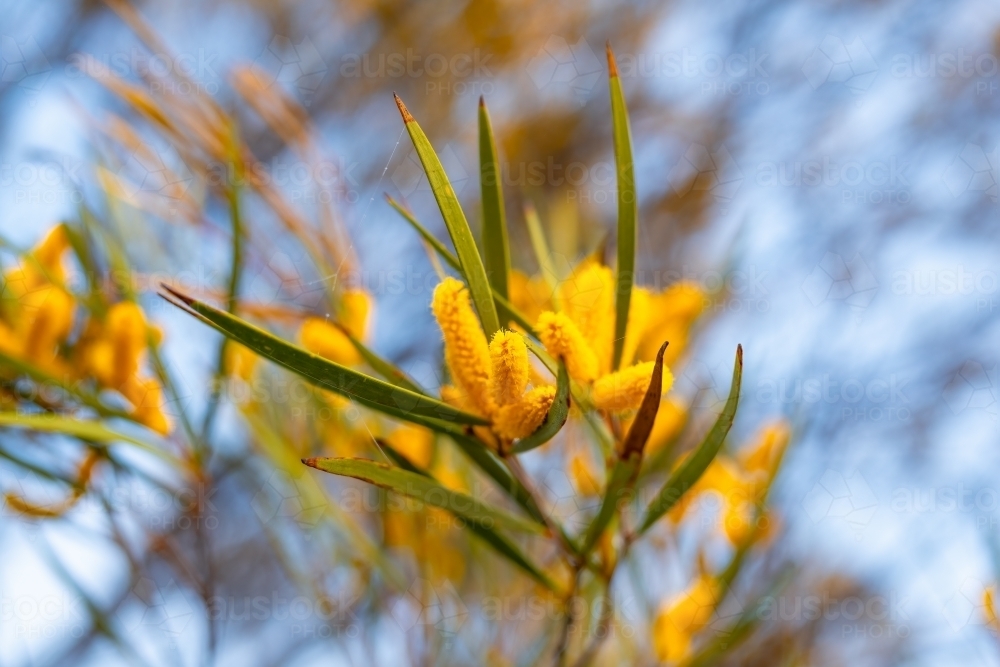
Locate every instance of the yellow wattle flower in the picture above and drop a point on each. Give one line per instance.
(522, 418)
(325, 339)
(146, 398)
(416, 443)
(531, 296)
(682, 617)
(240, 361)
(670, 419)
(355, 307)
(588, 298)
(114, 358)
(672, 312)
(639, 314)
(510, 367)
(621, 391)
(465, 348)
(562, 338)
(45, 321)
(584, 475)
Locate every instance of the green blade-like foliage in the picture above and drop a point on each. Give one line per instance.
(496, 250)
(458, 226)
(554, 420)
(91, 431)
(426, 490)
(366, 390)
(622, 480)
(382, 366)
(627, 208)
(694, 466)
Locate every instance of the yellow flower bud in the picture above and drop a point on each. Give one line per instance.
(639, 314)
(465, 348)
(562, 338)
(325, 339)
(624, 390)
(531, 296)
(521, 419)
(45, 322)
(509, 365)
(671, 315)
(146, 397)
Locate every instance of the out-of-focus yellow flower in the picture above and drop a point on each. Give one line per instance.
(327, 340)
(764, 453)
(670, 419)
(112, 352)
(521, 418)
(562, 338)
(509, 366)
(680, 618)
(584, 475)
(621, 391)
(241, 362)
(739, 493)
(465, 348)
(672, 312)
(38, 313)
(640, 312)
(989, 608)
(531, 296)
(588, 297)
(416, 443)
(355, 307)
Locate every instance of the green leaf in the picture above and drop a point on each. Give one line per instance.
(426, 490)
(458, 226)
(496, 250)
(92, 431)
(554, 420)
(366, 390)
(694, 466)
(626, 469)
(541, 248)
(627, 211)
(382, 366)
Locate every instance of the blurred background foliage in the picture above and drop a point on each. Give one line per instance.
(129, 123)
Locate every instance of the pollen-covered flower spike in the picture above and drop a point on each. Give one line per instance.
(621, 391)
(509, 366)
(465, 348)
(522, 418)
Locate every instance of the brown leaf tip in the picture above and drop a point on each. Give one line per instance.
(739, 353)
(482, 102)
(612, 65)
(177, 295)
(310, 462)
(403, 111)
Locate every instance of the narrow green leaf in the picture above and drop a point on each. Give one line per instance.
(694, 466)
(383, 367)
(627, 211)
(626, 469)
(366, 390)
(554, 420)
(541, 247)
(91, 431)
(426, 490)
(86, 397)
(496, 250)
(458, 226)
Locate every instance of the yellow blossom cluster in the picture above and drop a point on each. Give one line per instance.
(37, 321)
(322, 337)
(491, 380)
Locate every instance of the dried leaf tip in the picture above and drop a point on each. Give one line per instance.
(612, 65)
(739, 354)
(404, 112)
(482, 102)
(309, 462)
(177, 295)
